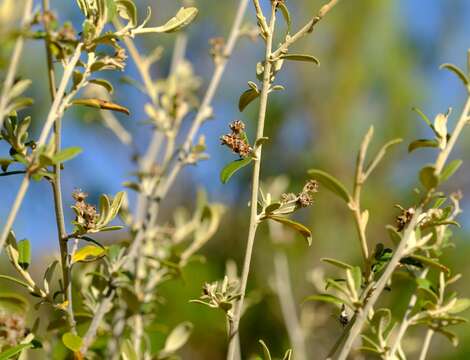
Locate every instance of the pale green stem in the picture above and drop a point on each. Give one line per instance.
(254, 219)
(14, 62)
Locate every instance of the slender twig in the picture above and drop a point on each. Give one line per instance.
(355, 204)
(409, 232)
(426, 344)
(55, 182)
(406, 321)
(254, 218)
(104, 306)
(288, 308)
(14, 62)
(308, 28)
(202, 114)
(57, 108)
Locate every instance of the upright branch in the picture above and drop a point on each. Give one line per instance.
(430, 177)
(254, 218)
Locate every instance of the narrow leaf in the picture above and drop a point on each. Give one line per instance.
(301, 229)
(301, 57)
(331, 183)
(337, 263)
(422, 143)
(430, 262)
(325, 298)
(15, 350)
(233, 167)
(450, 170)
(101, 104)
(66, 154)
(457, 71)
(285, 13)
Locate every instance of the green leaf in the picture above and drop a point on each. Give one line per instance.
(19, 103)
(15, 350)
(424, 117)
(103, 83)
(66, 154)
(357, 276)
(177, 338)
(88, 253)
(24, 253)
(183, 18)
(459, 306)
(337, 263)
(72, 341)
(457, 71)
(266, 353)
(233, 167)
(101, 104)
(286, 15)
(450, 170)
(301, 57)
(422, 143)
(13, 303)
(428, 178)
(246, 98)
(301, 229)
(331, 183)
(430, 262)
(325, 298)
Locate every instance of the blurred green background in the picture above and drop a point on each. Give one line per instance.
(379, 58)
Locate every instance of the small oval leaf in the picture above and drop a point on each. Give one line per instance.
(246, 98)
(72, 342)
(301, 57)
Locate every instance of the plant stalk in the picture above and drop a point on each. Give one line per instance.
(254, 219)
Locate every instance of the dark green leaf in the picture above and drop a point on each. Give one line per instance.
(301, 57)
(302, 229)
(422, 143)
(233, 167)
(331, 183)
(325, 298)
(430, 262)
(246, 98)
(424, 117)
(428, 178)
